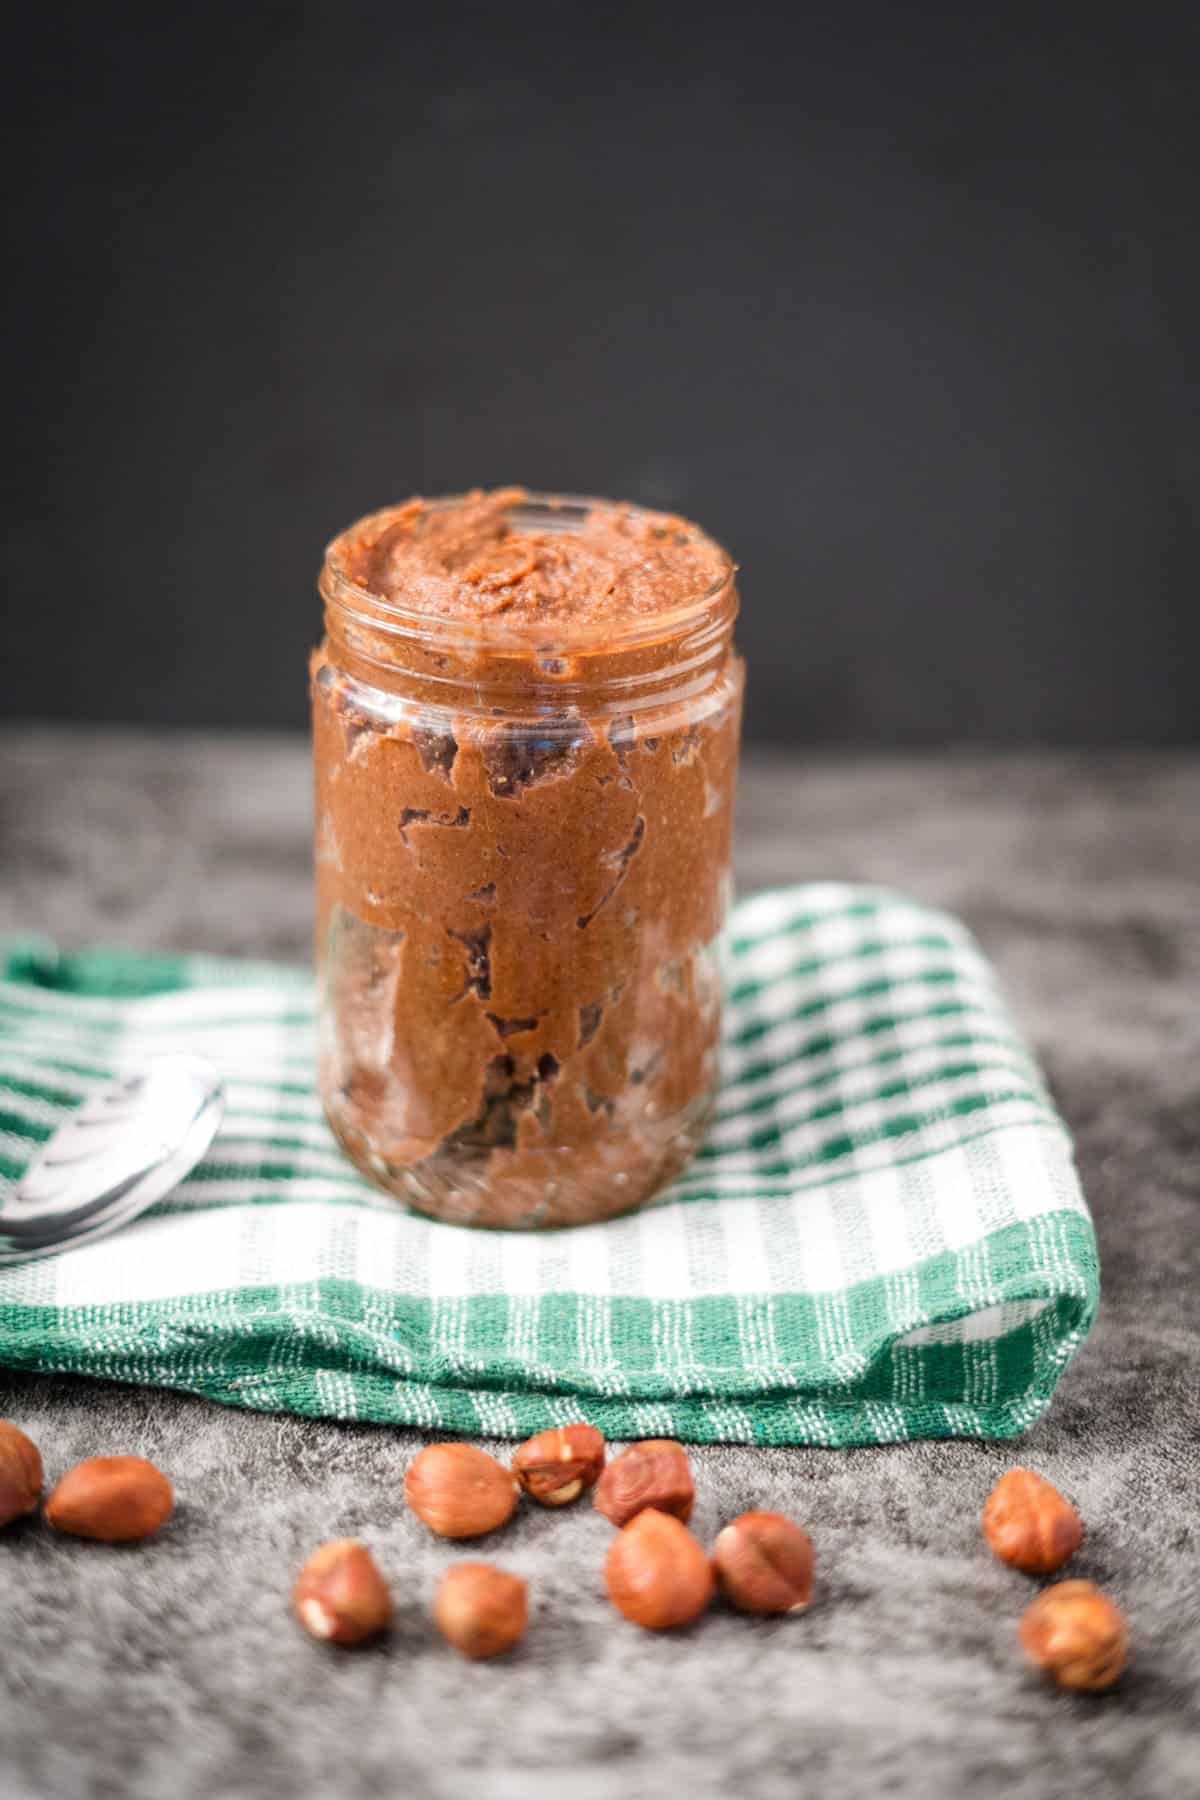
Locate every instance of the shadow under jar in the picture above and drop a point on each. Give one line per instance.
(526, 713)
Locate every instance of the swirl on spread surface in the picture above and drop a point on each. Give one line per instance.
(553, 566)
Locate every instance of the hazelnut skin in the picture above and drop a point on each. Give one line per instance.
(555, 1467)
(460, 1491)
(113, 1499)
(764, 1563)
(1029, 1524)
(340, 1596)
(20, 1473)
(481, 1610)
(654, 1473)
(1076, 1634)
(656, 1572)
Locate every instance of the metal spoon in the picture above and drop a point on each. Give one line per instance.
(122, 1150)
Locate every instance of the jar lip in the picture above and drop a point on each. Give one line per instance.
(498, 634)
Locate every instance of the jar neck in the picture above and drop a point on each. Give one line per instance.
(456, 666)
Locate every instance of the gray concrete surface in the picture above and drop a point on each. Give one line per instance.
(173, 1669)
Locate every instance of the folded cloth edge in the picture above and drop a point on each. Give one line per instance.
(498, 1397)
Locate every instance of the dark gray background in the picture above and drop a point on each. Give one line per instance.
(897, 300)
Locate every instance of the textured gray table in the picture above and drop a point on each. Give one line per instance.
(174, 1670)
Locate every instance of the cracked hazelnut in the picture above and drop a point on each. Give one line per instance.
(340, 1596)
(1029, 1524)
(1076, 1634)
(459, 1490)
(764, 1563)
(480, 1609)
(113, 1499)
(656, 1572)
(556, 1466)
(20, 1473)
(653, 1473)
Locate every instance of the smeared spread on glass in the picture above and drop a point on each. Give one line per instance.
(526, 724)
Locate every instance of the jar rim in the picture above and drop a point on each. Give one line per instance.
(339, 588)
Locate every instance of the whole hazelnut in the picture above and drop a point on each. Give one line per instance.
(556, 1466)
(656, 1572)
(113, 1499)
(1076, 1634)
(459, 1490)
(1029, 1524)
(340, 1596)
(20, 1473)
(482, 1610)
(764, 1563)
(656, 1473)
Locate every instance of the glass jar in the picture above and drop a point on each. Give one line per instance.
(522, 862)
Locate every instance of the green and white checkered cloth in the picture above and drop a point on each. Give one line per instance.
(884, 1236)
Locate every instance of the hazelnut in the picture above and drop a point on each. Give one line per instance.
(459, 1491)
(480, 1609)
(1029, 1524)
(1076, 1634)
(556, 1466)
(653, 1473)
(764, 1563)
(20, 1473)
(656, 1572)
(114, 1499)
(340, 1595)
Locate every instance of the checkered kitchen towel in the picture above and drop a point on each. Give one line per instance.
(883, 1238)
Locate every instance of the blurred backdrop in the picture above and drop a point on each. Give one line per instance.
(899, 301)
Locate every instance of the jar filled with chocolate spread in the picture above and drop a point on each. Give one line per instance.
(526, 714)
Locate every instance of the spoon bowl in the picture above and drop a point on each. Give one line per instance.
(123, 1149)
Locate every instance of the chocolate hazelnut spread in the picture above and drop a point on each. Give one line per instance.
(470, 561)
(525, 728)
